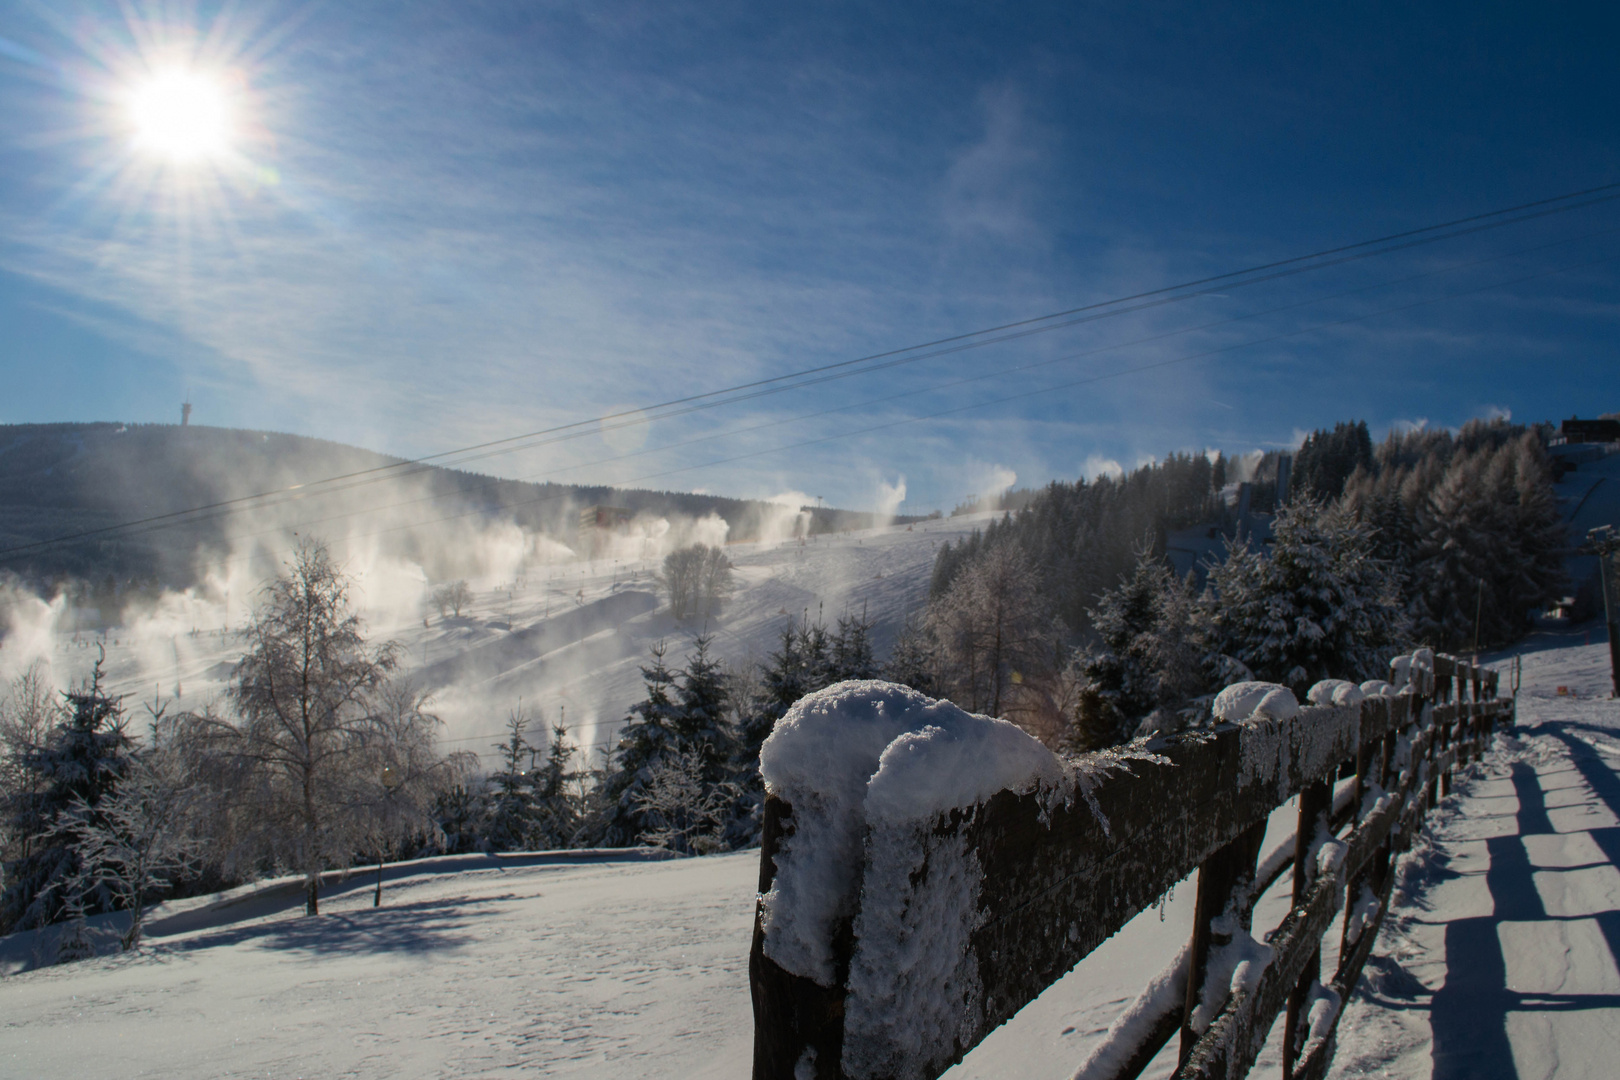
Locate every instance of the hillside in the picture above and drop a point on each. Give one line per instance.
(62, 479)
(568, 639)
(592, 965)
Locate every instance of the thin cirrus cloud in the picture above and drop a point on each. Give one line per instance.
(467, 223)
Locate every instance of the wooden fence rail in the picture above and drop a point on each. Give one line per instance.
(1056, 879)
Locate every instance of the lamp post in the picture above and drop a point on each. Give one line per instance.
(1605, 544)
(391, 780)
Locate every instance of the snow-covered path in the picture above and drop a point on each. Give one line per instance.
(1503, 959)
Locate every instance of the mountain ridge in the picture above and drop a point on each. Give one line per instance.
(65, 480)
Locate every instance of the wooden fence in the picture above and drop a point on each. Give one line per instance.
(1059, 879)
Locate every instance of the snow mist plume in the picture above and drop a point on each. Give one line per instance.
(889, 498)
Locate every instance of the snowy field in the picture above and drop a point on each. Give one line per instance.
(1500, 961)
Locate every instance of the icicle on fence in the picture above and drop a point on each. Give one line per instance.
(926, 873)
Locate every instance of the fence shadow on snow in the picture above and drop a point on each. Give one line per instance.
(991, 903)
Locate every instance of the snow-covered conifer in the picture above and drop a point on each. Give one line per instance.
(703, 698)
(851, 650)
(513, 810)
(646, 738)
(1317, 604)
(1147, 656)
(557, 792)
(130, 843)
(81, 759)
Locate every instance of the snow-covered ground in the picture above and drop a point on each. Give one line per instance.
(1503, 959)
(614, 969)
(1500, 960)
(568, 639)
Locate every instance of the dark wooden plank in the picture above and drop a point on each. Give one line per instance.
(1225, 885)
(1238, 1033)
(1445, 676)
(1230, 1046)
(1056, 883)
(795, 1019)
(1315, 805)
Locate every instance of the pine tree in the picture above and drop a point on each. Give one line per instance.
(703, 699)
(785, 680)
(851, 650)
(1318, 605)
(140, 834)
(555, 793)
(646, 738)
(1328, 458)
(513, 813)
(914, 661)
(1470, 523)
(81, 761)
(1122, 676)
(459, 813)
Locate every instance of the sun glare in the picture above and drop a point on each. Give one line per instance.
(181, 116)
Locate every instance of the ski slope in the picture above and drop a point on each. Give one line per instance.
(568, 640)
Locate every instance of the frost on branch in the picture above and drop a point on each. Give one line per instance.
(1090, 770)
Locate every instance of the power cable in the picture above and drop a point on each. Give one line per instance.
(959, 342)
(1204, 354)
(998, 374)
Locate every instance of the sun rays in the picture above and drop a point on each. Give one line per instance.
(171, 136)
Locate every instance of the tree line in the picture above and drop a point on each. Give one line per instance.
(1068, 618)
(321, 756)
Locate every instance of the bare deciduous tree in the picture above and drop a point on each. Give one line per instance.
(684, 813)
(27, 713)
(698, 578)
(306, 746)
(994, 628)
(451, 598)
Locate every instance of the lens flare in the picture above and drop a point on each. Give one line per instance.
(181, 116)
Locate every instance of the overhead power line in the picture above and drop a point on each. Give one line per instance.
(999, 373)
(909, 354)
(983, 403)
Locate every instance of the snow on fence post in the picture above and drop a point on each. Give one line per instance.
(926, 873)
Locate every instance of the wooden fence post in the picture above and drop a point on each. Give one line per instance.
(1224, 884)
(1315, 806)
(798, 1025)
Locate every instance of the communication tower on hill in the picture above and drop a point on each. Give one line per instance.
(185, 413)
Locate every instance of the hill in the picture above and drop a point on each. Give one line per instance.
(67, 479)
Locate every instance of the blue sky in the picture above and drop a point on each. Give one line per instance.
(439, 224)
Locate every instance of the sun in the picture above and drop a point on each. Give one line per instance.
(181, 116)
